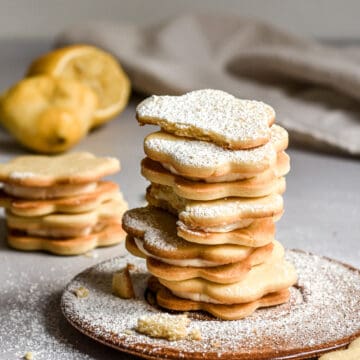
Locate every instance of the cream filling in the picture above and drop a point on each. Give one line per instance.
(228, 178)
(67, 232)
(228, 227)
(261, 280)
(59, 233)
(195, 297)
(177, 262)
(32, 192)
(164, 192)
(214, 179)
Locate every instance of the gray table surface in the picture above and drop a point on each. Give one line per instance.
(322, 216)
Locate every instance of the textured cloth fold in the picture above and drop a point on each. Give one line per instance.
(315, 89)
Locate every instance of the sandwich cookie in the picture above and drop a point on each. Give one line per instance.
(41, 177)
(266, 183)
(217, 215)
(69, 225)
(110, 234)
(60, 204)
(262, 279)
(211, 115)
(224, 274)
(259, 233)
(202, 160)
(169, 301)
(152, 233)
(103, 192)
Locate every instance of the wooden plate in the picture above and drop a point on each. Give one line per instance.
(323, 314)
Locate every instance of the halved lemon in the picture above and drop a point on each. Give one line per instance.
(48, 114)
(93, 67)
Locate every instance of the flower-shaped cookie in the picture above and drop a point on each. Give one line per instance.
(111, 234)
(203, 160)
(59, 225)
(103, 192)
(223, 274)
(263, 184)
(261, 280)
(167, 300)
(220, 215)
(211, 115)
(43, 171)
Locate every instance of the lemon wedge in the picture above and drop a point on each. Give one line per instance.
(93, 67)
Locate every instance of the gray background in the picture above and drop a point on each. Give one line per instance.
(334, 19)
(322, 200)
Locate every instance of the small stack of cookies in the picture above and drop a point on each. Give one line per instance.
(217, 174)
(60, 204)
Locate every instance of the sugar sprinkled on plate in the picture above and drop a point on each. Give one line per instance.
(327, 291)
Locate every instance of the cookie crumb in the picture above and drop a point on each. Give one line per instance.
(195, 334)
(165, 326)
(81, 292)
(122, 285)
(29, 356)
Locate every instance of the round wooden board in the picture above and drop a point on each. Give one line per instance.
(323, 314)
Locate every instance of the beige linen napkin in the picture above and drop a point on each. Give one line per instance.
(315, 89)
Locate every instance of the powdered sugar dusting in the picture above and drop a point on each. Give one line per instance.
(325, 307)
(31, 320)
(213, 113)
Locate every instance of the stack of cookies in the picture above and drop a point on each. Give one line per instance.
(217, 174)
(60, 204)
